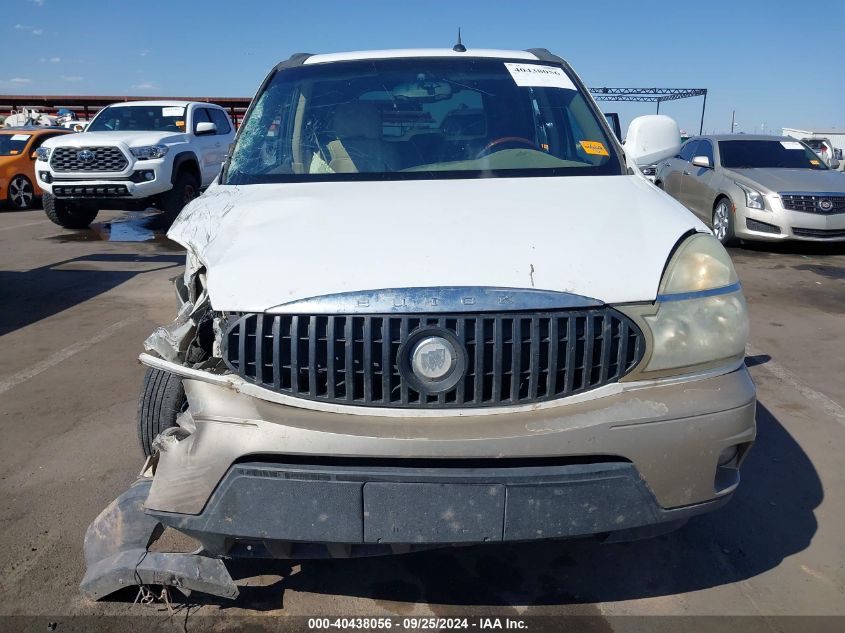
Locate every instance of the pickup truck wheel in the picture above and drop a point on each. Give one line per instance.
(68, 214)
(723, 221)
(186, 187)
(162, 399)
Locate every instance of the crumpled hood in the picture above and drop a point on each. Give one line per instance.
(264, 245)
(776, 180)
(130, 139)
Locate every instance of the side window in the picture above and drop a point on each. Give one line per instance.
(200, 116)
(688, 150)
(220, 119)
(38, 141)
(705, 148)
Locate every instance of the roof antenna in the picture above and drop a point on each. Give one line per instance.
(459, 48)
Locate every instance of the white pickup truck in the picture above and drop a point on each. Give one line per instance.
(133, 155)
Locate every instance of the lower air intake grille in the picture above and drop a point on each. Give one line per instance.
(507, 358)
(819, 233)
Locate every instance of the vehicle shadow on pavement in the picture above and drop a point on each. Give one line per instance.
(36, 294)
(770, 517)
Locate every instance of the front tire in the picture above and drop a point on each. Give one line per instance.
(67, 214)
(723, 221)
(186, 187)
(162, 399)
(21, 194)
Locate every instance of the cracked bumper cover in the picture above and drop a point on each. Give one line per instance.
(265, 474)
(117, 554)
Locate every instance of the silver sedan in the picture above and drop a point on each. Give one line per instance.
(748, 187)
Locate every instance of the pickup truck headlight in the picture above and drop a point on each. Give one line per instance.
(148, 151)
(753, 198)
(43, 153)
(701, 317)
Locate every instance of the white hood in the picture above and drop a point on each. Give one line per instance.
(130, 139)
(264, 245)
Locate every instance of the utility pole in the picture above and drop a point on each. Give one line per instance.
(733, 120)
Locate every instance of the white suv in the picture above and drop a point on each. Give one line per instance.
(133, 155)
(431, 301)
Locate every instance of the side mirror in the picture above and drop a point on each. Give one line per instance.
(34, 155)
(652, 138)
(834, 164)
(701, 161)
(206, 127)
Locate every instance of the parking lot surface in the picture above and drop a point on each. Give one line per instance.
(76, 306)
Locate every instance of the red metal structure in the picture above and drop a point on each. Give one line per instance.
(87, 106)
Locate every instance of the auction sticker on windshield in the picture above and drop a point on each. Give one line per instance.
(792, 145)
(594, 147)
(172, 111)
(539, 76)
(20, 137)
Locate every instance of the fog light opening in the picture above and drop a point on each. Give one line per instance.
(727, 459)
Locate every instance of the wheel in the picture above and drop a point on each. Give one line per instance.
(68, 214)
(723, 221)
(162, 399)
(186, 187)
(21, 193)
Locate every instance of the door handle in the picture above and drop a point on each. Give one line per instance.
(686, 173)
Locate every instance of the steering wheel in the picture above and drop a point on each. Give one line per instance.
(520, 140)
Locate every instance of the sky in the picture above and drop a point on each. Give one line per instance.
(776, 63)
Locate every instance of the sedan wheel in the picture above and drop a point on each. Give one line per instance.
(722, 222)
(20, 193)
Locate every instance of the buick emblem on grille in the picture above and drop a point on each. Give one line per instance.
(433, 358)
(825, 204)
(85, 156)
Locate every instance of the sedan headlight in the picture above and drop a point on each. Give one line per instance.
(148, 151)
(43, 153)
(753, 198)
(701, 318)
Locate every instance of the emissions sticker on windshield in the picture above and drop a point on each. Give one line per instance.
(594, 147)
(539, 76)
(792, 145)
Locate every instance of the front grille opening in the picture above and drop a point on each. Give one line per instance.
(510, 358)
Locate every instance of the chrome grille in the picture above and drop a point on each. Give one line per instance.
(813, 202)
(105, 159)
(511, 358)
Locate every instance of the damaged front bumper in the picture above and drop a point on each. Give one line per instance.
(117, 554)
(251, 477)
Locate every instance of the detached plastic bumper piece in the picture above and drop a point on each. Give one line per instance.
(117, 554)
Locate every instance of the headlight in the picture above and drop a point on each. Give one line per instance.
(753, 198)
(43, 153)
(701, 316)
(149, 151)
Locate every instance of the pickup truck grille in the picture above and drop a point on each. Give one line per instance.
(826, 204)
(510, 358)
(102, 159)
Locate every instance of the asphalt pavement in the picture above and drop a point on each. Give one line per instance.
(76, 306)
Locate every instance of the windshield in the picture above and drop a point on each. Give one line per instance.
(772, 154)
(139, 118)
(420, 118)
(13, 144)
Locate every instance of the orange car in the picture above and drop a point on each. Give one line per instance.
(17, 163)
